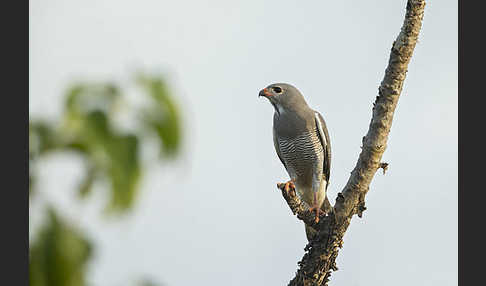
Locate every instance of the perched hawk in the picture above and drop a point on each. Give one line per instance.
(302, 143)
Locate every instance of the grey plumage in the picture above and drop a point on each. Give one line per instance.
(302, 143)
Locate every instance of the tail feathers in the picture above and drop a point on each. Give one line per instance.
(326, 206)
(309, 231)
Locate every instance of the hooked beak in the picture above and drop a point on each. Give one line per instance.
(264, 92)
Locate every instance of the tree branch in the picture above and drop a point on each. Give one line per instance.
(297, 206)
(320, 257)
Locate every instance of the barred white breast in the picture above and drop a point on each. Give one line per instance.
(303, 154)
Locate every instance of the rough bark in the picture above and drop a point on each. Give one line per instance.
(320, 258)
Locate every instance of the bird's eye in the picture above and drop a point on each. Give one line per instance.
(277, 89)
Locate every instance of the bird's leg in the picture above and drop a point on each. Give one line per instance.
(316, 208)
(289, 187)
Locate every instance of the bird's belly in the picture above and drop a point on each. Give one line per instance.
(303, 157)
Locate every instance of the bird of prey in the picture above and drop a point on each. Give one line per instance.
(302, 143)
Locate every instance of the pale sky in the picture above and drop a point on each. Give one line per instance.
(216, 217)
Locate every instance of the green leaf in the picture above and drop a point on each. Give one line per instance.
(59, 254)
(124, 170)
(42, 137)
(163, 117)
(96, 128)
(87, 182)
(72, 97)
(82, 98)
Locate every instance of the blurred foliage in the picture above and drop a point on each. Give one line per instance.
(58, 257)
(87, 128)
(59, 253)
(166, 124)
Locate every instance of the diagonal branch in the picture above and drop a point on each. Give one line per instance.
(320, 257)
(297, 206)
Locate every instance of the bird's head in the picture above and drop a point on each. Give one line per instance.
(284, 97)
